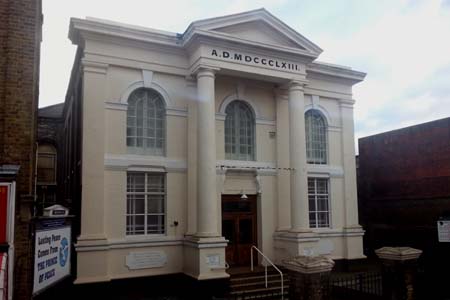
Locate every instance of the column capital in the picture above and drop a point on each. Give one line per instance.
(296, 85)
(281, 93)
(205, 71)
(94, 67)
(346, 103)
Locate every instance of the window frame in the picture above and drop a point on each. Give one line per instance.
(151, 94)
(146, 213)
(316, 211)
(47, 154)
(312, 158)
(237, 145)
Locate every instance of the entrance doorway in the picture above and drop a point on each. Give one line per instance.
(239, 228)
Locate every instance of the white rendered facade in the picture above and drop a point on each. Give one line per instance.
(251, 57)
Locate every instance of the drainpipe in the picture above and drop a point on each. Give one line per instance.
(35, 180)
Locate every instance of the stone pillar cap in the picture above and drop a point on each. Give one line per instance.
(309, 264)
(398, 253)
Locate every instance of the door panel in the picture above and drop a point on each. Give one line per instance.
(239, 227)
(229, 232)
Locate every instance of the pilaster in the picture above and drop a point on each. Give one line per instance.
(353, 244)
(204, 252)
(93, 179)
(93, 118)
(283, 174)
(297, 155)
(207, 208)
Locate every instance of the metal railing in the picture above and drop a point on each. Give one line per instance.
(265, 268)
(369, 283)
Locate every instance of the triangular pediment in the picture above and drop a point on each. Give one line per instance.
(257, 27)
(259, 31)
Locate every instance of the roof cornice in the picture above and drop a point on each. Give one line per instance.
(80, 26)
(335, 71)
(85, 28)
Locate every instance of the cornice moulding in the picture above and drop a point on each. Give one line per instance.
(335, 71)
(109, 28)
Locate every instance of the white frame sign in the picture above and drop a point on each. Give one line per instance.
(444, 231)
(51, 256)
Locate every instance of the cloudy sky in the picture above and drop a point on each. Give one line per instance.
(403, 45)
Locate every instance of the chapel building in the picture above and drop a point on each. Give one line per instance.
(190, 148)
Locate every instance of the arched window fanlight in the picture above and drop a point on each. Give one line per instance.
(316, 137)
(239, 131)
(146, 123)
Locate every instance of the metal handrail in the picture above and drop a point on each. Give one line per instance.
(265, 268)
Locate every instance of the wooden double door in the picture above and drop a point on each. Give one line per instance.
(239, 227)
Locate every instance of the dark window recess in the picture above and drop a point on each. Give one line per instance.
(245, 231)
(238, 206)
(228, 230)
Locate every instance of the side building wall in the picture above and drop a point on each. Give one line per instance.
(20, 38)
(403, 185)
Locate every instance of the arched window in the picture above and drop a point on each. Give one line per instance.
(146, 123)
(316, 137)
(239, 131)
(46, 184)
(46, 164)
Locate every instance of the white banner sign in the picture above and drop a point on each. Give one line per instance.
(51, 257)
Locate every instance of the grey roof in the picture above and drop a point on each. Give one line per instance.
(52, 111)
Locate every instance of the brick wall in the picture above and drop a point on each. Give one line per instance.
(404, 185)
(20, 36)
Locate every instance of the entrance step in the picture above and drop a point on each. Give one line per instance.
(245, 284)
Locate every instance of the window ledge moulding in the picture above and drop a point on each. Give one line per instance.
(262, 121)
(258, 120)
(329, 232)
(316, 235)
(170, 110)
(130, 242)
(260, 168)
(175, 111)
(125, 162)
(325, 171)
(334, 128)
(116, 105)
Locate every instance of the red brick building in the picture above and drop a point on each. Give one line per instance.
(20, 38)
(404, 188)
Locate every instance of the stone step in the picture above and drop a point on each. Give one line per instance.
(257, 273)
(258, 285)
(255, 278)
(260, 292)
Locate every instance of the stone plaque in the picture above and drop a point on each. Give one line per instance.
(213, 260)
(145, 260)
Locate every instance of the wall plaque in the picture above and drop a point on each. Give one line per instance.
(213, 260)
(444, 231)
(146, 260)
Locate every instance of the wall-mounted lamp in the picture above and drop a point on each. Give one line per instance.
(243, 195)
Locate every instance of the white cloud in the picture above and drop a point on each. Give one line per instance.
(404, 48)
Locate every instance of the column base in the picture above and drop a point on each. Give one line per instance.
(291, 244)
(343, 243)
(353, 237)
(204, 257)
(300, 230)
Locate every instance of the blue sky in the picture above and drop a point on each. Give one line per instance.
(404, 46)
